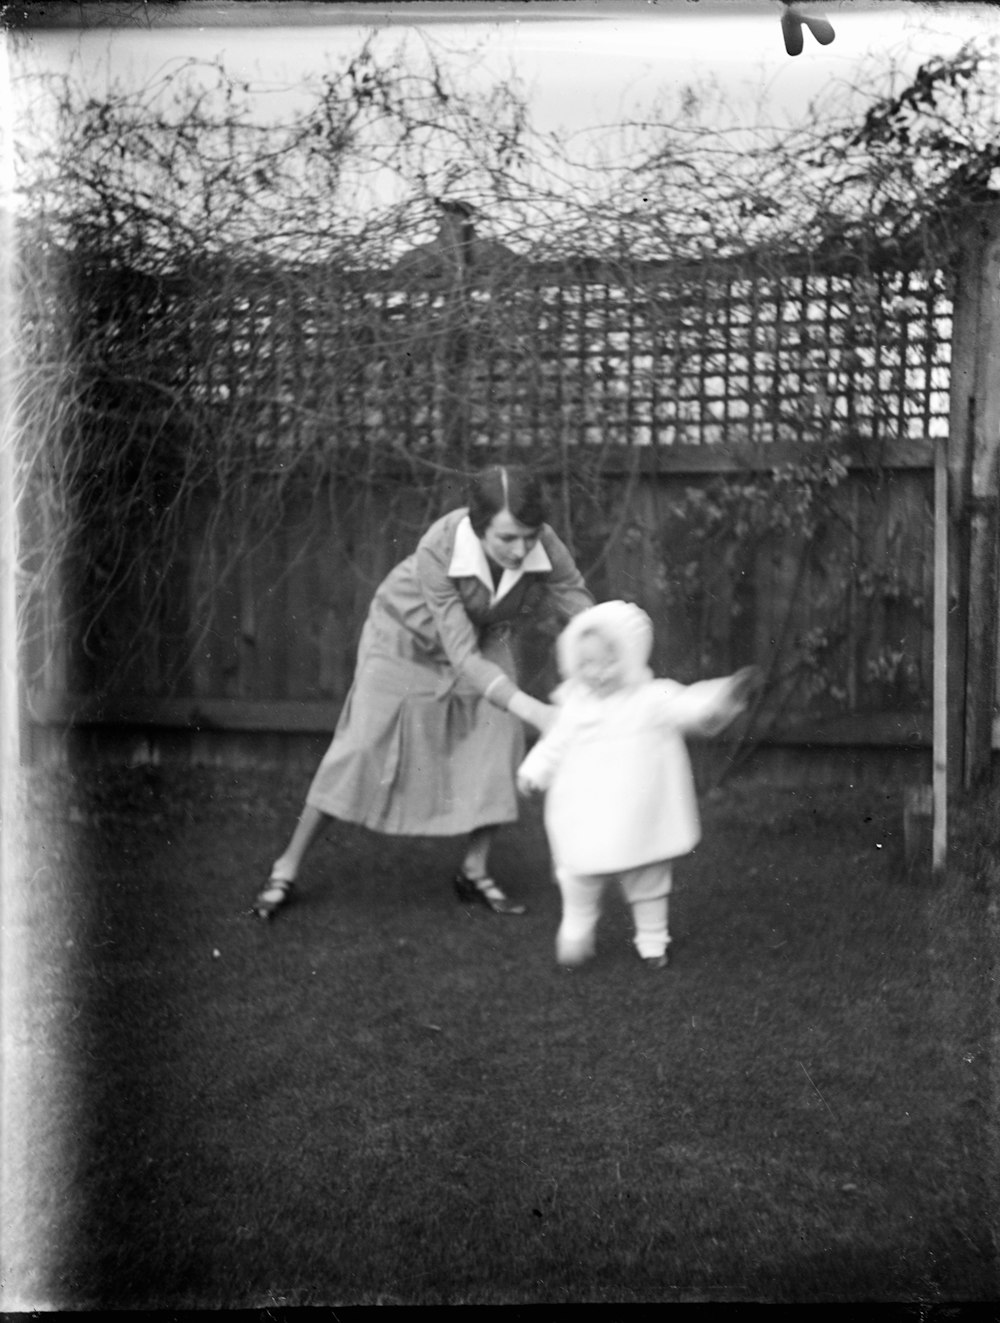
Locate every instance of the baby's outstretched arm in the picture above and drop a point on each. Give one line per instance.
(744, 684)
(708, 706)
(734, 698)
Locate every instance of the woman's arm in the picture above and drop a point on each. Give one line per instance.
(460, 640)
(453, 627)
(565, 588)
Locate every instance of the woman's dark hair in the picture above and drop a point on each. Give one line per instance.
(505, 487)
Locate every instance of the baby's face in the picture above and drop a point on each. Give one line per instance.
(598, 665)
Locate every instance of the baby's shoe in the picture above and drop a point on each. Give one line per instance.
(573, 952)
(654, 959)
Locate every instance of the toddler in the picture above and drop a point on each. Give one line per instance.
(620, 797)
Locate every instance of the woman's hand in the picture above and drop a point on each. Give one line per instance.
(532, 711)
(546, 717)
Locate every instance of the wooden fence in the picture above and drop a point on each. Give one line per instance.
(324, 418)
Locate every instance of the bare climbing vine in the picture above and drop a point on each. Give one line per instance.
(220, 311)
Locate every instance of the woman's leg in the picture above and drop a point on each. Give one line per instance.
(473, 881)
(311, 824)
(476, 863)
(277, 890)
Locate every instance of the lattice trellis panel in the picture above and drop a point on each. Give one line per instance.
(659, 359)
(230, 378)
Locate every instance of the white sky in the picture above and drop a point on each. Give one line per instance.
(581, 63)
(584, 62)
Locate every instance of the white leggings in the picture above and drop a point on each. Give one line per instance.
(646, 889)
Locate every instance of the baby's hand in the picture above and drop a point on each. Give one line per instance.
(745, 683)
(525, 785)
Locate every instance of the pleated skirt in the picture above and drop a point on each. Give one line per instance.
(416, 752)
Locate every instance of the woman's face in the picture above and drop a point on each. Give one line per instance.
(507, 541)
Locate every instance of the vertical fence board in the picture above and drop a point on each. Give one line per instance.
(268, 580)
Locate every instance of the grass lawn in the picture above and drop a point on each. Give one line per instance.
(386, 1097)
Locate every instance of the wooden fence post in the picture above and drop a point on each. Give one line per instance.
(984, 515)
(974, 446)
(940, 774)
(10, 649)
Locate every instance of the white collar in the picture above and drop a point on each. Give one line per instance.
(468, 559)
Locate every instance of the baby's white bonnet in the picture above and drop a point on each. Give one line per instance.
(627, 627)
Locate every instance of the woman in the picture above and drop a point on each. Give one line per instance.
(430, 735)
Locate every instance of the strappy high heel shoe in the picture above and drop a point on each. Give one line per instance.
(485, 891)
(274, 895)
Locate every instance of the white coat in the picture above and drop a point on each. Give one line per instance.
(621, 792)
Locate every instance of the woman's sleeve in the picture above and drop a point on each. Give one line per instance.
(565, 588)
(456, 631)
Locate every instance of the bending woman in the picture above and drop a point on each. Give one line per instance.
(430, 735)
